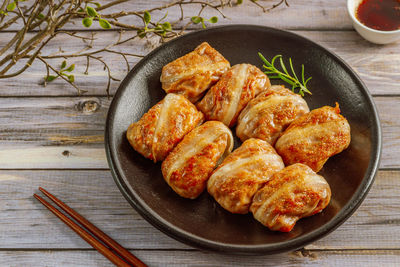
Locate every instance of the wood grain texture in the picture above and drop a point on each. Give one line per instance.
(357, 258)
(315, 14)
(67, 132)
(26, 224)
(368, 60)
(57, 142)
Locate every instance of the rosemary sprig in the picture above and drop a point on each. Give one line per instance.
(274, 73)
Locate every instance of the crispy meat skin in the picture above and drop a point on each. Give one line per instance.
(163, 127)
(314, 137)
(192, 74)
(188, 167)
(291, 194)
(224, 101)
(242, 173)
(267, 115)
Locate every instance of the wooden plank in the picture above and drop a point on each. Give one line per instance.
(67, 132)
(315, 14)
(356, 258)
(53, 132)
(370, 61)
(26, 224)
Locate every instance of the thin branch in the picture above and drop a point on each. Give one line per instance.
(45, 27)
(80, 91)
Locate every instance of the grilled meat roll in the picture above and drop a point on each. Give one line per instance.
(188, 167)
(291, 194)
(163, 127)
(242, 173)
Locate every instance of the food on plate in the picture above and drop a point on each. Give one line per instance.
(188, 167)
(242, 173)
(314, 137)
(267, 115)
(224, 101)
(192, 74)
(163, 126)
(290, 194)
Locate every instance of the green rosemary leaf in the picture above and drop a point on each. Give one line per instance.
(273, 60)
(305, 83)
(287, 80)
(274, 77)
(63, 64)
(284, 75)
(264, 60)
(283, 66)
(291, 67)
(71, 78)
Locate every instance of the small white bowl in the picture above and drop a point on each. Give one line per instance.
(372, 35)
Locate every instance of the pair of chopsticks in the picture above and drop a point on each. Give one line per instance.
(108, 247)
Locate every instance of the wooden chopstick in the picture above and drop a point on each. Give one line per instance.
(125, 254)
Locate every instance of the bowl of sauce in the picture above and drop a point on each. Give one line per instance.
(377, 21)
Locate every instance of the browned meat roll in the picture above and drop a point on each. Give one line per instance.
(163, 126)
(224, 101)
(267, 115)
(195, 72)
(242, 173)
(291, 194)
(188, 167)
(314, 137)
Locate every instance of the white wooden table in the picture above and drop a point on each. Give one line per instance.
(50, 138)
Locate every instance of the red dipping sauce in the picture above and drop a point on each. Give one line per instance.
(382, 15)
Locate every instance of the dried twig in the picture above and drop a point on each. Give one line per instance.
(45, 19)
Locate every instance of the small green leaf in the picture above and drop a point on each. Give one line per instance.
(167, 26)
(158, 28)
(213, 20)
(104, 24)
(71, 78)
(87, 22)
(3, 13)
(91, 11)
(70, 68)
(63, 64)
(50, 78)
(203, 24)
(239, 2)
(146, 17)
(97, 4)
(11, 6)
(40, 16)
(196, 19)
(141, 33)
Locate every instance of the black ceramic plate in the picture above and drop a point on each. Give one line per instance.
(201, 222)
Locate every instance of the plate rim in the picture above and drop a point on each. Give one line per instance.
(202, 243)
